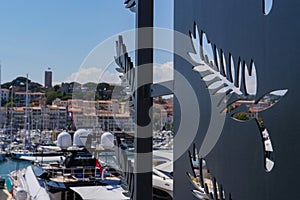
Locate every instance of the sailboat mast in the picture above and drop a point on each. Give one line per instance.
(0, 96)
(26, 112)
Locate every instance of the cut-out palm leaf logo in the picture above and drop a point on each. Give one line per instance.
(131, 4)
(206, 186)
(225, 78)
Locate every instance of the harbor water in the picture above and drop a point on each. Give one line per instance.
(8, 165)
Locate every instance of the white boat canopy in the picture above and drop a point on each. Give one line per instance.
(100, 192)
(42, 158)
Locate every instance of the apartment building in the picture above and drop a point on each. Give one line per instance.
(41, 118)
(5, 94)
(77, 113)
(32, 96)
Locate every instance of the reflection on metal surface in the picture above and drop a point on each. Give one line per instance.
(254, 108)
(127, 73)
(252, 112)
(223, 76)
(213, 71)
(267, 6)
(205, 185)
(125, 68)
(131, 4)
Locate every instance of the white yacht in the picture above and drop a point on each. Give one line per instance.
(163, 174)
(163, 181)
(78, 177)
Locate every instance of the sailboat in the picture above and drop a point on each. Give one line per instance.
(2, 153)
(24, 150)
(27, 152)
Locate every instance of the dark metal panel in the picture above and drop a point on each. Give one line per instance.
(272, 42)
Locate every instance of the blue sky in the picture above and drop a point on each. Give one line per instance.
(59, 34)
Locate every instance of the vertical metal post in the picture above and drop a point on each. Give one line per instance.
(144, 72)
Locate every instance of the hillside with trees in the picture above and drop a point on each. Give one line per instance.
(65, 91)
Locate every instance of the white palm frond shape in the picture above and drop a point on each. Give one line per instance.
(221, 82)
(213, 71)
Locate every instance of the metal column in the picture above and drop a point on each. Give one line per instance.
(144, 72)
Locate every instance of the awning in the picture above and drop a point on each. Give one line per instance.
(100, 192)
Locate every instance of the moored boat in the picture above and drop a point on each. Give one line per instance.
(79, 176)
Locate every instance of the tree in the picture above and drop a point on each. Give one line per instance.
(241, 116)
(89, 95)
(90, 86)
(56, 88)
(3, 102)
(77, 94)
(10, 104)
(66, 97)
(51, 95)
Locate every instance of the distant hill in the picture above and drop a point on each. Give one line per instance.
(65, 91)
(20, 85)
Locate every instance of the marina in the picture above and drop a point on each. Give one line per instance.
(81, 171)
(149, 100)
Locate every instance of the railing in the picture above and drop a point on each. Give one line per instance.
(126, 167)
(76, 174)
